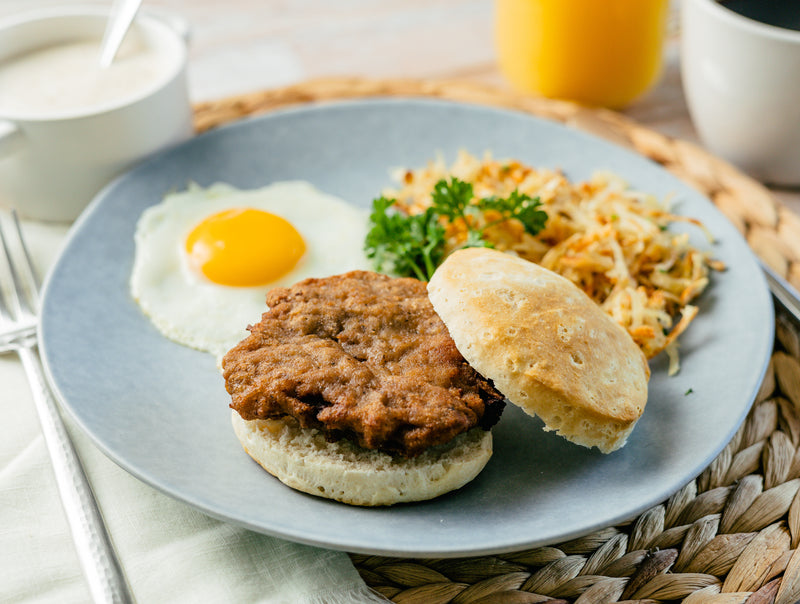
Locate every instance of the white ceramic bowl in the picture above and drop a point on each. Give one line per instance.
(51, 165)
(742, 84)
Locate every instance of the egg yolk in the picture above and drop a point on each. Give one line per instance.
(244, 247)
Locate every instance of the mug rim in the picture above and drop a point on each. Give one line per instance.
(145, 18)
(717, 9)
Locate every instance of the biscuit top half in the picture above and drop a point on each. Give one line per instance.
(544, 343)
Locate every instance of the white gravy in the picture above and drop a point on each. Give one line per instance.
(67, 78)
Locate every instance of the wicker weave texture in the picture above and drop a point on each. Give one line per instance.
(730, 536)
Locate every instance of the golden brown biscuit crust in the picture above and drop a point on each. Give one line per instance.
(545, 344)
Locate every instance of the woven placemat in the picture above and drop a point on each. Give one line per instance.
(728, 537)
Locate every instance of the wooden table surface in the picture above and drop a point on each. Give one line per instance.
(245, 45)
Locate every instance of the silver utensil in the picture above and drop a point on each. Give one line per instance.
(783, 293)
(119, 21)
(9, 340)
(19, 301)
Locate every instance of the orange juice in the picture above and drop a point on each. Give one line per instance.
(595, 52)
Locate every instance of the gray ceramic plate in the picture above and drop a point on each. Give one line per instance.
(161, 412)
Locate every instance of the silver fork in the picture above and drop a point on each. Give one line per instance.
(19, 307)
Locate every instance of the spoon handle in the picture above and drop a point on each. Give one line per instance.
(120, 19)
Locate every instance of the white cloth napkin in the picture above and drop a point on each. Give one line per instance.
(169, 551)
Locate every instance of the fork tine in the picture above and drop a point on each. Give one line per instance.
(19, 301)
(30, 273)
(5, 311)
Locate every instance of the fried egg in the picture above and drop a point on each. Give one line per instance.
(205, 258)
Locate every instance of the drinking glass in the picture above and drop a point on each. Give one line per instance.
(596, 52)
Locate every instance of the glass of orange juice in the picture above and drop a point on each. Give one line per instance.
(596, 52)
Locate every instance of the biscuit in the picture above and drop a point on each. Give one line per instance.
(544, 344)
(304, 460)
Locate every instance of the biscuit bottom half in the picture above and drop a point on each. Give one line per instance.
(304, 460)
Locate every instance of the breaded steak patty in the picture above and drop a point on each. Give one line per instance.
(362, 356)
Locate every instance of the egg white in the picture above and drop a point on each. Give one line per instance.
(191, 310)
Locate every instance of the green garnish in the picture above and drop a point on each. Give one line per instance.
(517, 205)
(451, 199)
(413, 245)
(407, 245)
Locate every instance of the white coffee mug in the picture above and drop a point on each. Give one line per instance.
(742, 83)
(51, 166)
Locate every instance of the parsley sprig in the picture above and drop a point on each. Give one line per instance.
(402, 244)
(413, 245)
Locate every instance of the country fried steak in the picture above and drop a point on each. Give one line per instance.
(361, 356)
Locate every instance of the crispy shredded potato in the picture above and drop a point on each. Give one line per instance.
(610, 241)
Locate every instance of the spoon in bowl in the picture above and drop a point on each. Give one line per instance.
(119, 21)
